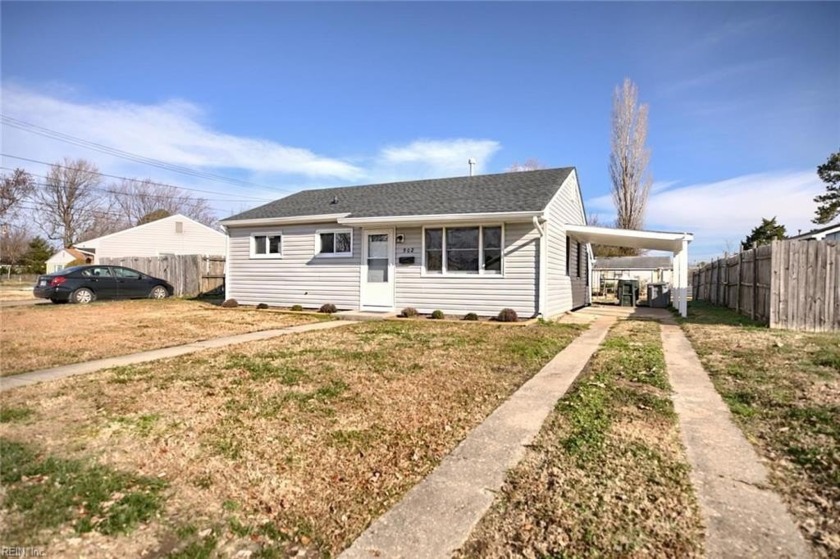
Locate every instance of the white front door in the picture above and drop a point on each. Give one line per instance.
(378, 270)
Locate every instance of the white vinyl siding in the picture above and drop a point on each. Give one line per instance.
(159, 237)
(565, 207)
(299, 278)
(484, 294)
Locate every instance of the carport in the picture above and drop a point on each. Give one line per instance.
(676, 243)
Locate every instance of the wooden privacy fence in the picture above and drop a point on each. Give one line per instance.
(787, 284)
(189, 274)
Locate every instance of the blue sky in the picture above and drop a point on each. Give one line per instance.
(744, 97)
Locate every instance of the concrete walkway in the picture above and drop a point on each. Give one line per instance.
(437, 515)
(25, 379)
(743, 516)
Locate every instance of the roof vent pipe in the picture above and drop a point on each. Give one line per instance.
(471, 162)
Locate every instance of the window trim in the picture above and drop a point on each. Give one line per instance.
(268, 256)
(446, 273)
(319, 254)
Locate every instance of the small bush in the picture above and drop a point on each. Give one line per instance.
(437, 315)
(507, 315)
(230, 303)
(262, 306)
(297, 308)
(409, 312)
(471, 316)
(329, 308)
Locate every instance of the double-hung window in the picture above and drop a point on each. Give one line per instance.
(463, 250)
(334, 242)
(267, 245)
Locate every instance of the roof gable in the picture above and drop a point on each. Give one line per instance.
(92, 243)
(504, 192)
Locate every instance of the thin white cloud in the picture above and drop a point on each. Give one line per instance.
(722, 213)
(435, 158)
(717, 75)
(172, 131)
(180, 132)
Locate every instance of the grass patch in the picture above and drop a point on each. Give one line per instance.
(367, 411)
(114, 328)
(606, 476)
(783, 389)
(48, 492)
(9, 414)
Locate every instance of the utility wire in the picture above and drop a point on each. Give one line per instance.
(81, 142)
(237, 196)
(120, 193)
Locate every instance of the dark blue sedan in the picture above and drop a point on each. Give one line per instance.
(85, 284)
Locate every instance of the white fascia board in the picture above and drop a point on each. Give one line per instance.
(655, 240)
(440, 218)
(323, 218)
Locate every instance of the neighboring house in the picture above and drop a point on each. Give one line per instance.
(467, 244)
(646, 269)
(828, 233)
(175, 234)
(62, 258)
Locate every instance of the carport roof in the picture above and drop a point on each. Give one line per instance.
(631, 238)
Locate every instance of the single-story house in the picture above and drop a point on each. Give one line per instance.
(827, 233)
(464, 244)
(62, 258)
(176, 234)
(645, 269)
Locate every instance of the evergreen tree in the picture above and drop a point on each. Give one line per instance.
(829, 203)
(36, 256)
(768, 231)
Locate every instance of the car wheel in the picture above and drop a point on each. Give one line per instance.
(83, 296)
(159, 292)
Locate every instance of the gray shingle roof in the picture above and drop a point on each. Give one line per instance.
(504, 192)
(632, 262)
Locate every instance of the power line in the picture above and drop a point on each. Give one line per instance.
(120, 193)
(81, 142)
(129, 178)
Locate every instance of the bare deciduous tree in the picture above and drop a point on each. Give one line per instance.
(629, 158)
(14, 242)
(14, 189)
(530, 165)
(136, 200)
(603, 250)
(69, 203)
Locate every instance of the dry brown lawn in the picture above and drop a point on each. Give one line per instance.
(287, 446)
(783, 389)
(607, 475)
(16, 293)
(45, 336)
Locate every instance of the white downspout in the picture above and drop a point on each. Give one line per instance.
(543, 266)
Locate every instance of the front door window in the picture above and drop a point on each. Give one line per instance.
(377, 261)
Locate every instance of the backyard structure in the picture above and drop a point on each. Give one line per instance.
(62, 258)
(827, 233)
(464, 244)
(788, 284)
(646, 269)
(176, 234)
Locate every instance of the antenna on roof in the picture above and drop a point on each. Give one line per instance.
(471, 162)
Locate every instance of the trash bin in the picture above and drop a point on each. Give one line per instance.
(659, 295)
(628, 292)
